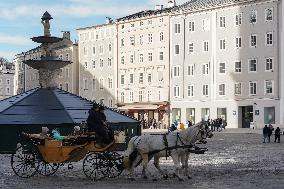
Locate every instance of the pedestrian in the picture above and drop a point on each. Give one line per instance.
(277, 134)
(265, 133)
(270, 130)
(189, 123)
(182, 126)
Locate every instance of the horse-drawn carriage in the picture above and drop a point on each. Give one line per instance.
(37, 154)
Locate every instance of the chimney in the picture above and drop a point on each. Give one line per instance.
(159, 7)
(171, 3)
(108, 20)
(66, 35)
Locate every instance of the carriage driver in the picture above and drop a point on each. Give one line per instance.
(96, 123)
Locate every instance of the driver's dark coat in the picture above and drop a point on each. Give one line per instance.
(94, 119)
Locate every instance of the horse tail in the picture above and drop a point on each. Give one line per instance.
(128, 155)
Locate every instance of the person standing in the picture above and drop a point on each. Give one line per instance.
(265, 133)
(277, 134)
(270, 129)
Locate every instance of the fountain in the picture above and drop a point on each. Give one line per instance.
(48, 64)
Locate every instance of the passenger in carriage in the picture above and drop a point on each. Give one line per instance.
(96, 123)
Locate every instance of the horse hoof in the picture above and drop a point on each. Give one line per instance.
(155, 179)
(165, 177)
(145, 177)
(189, 177)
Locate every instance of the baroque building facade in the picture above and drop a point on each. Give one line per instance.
(226, 62)
(7, 73)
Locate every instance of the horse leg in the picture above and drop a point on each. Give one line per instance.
(145, 162)
(157, 165)
(186, 165)
(177, 166)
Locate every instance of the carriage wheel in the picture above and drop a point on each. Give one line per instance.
(46, 169)
(23, 162)
(115, 164)
(95, 166)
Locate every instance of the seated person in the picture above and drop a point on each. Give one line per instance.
(44, 133)
(96, 123)
(56, 134)
(77, 130)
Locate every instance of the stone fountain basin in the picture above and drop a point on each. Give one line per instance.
(46, 39)
(47, 64)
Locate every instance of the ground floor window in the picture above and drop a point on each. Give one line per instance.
(269, 115)
(176, 112)
(205, 113)
(190, 115)
(222, 113)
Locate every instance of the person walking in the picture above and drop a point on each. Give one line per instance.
(277, 134)
(265, 133)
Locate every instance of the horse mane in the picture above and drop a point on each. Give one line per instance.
(191, 131)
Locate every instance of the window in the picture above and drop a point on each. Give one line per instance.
(205, 69)
(122, 26)
(109, 62)
(191, 26)
(131, 96)
(109, 47)
(141, 39)
(132, 40)
(94, 50)
(86, 65)
(109, 83)
(253, 15)
(205, 46)
(176, 49)
(205, 24)
(122, 60)
(141, 78)
(269, 38)
(149, 96)
(161, 57)
(67, 57)
(67, 86)
(101, 49)
(140, 96)
(131, 58)
(85, 84)
(222, 44)
(101, 63)
(222, 22)
(160, 76)
(149, 78)
(252, 88)
(161, 36)
(190, 48)
(238, 19)
(131, 78)
(268, 87)
(101, 83)
(176, 91)
(60, 87)
(150, 22)
(190, 70)
(222, 90)
(122, 97)
(150, 38)
(150, 57)
(85, 51)
(132, 25)
(141, 23)
(159, 95)
(205, 90)
(190, 90)
(176, 71)
(238, 89)
(238, 67)
(177, 28)
(269, 14)
(161, 20)
(252, 65)
(8, 81)
(253, 40)
(66, 73)
(94, 64)
(94, 84)
(122, 42)
(269, 64)
(122, 81)
(110, 103)
(141, 58)
(269, 115)
(8, 91)
(222, 68)
(238, 42)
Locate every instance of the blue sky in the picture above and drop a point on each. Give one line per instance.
(20, 19)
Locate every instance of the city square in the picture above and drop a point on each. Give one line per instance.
(148, 94)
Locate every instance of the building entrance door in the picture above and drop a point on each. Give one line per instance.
(247, 116)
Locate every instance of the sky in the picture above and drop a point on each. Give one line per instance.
(20, 19)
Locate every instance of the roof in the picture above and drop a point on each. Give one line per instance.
(46, 106)
(144, 14)
(199, 5)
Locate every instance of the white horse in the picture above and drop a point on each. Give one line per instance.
(174, 144)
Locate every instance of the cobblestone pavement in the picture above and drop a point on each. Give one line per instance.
(234, 160)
